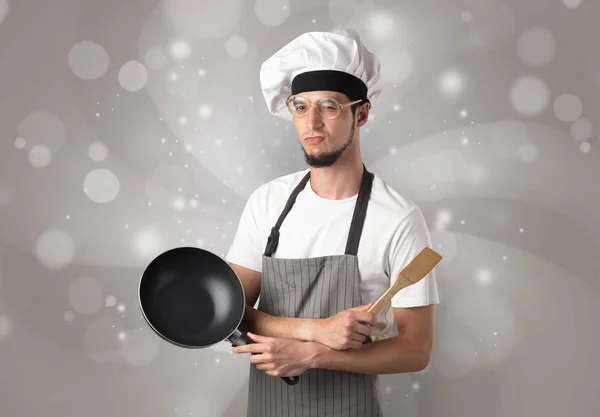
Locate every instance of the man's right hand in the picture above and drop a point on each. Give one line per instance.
(347, 329)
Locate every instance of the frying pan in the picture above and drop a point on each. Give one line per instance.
(192, 298)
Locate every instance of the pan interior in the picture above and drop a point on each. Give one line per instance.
(191, 297)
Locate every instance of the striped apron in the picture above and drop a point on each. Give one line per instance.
(314, 288)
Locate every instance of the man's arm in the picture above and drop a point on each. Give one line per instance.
(264, 324)
(410, 351)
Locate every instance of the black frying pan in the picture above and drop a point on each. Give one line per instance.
(192, 298)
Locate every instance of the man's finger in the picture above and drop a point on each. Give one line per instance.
(366, 317)
(362, 329)
(258, 338)
(259, 358)
(355, 345)
(251, 348)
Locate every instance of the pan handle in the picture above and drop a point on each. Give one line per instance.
(240, 339)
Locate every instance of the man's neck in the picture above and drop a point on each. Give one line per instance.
(339, 181)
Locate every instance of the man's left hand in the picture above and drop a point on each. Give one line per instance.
(281, 357)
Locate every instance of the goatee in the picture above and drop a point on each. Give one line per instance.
(327, 159)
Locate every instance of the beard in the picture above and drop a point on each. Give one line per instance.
(327, 159)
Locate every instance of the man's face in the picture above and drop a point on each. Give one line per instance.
(323, 140)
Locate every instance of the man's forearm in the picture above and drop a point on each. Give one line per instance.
(264, 324)
(388, 356)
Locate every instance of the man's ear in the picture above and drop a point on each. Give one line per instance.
(363, 114)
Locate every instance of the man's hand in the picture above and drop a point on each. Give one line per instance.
(347, 329)
(281, 357)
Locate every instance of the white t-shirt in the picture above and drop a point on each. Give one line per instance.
(393, 234)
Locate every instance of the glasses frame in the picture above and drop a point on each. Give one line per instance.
(340, 106)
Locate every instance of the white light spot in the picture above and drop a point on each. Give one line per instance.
(484, 276)
(98, 152)
(147, 243)
(6, 327)
(528, 152)
(155, 58)
(40, 156)
(4, 9)
(443, 219)
(451, 83)
(205, 111)
(466, 16)
(416, 386)
(54, 249)
(568, 108)
(42, 128)
(180, 49)
(110, 301)
(69, 316)
(88, 60)
(121, 308)
(20, 143)
(582, 129)
(133, 76)
(380, 25)
(475, 174)
(272, 13)
(85, 295)
(536, 47)
(464, 113)
(236, 46)
(101, 185)
(179, 204)
(573, 4)
(585, 147)
(396, 107)
(529, 95)
(203, 20)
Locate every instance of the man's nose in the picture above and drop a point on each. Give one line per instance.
(314, 120)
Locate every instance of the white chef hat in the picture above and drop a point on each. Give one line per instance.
(316, 61)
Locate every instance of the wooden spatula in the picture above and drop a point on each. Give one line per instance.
(412, 273)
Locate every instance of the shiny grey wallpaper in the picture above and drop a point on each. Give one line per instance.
(131, 127)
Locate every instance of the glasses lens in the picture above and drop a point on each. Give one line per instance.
(328, 107)
(298, 106)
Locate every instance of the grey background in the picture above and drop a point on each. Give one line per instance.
(488, 120)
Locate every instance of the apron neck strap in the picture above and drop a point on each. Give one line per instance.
(360, 212)
(358, 217)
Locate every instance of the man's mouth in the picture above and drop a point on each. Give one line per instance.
(314, 139)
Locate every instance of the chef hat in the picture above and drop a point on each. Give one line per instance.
(316, 61)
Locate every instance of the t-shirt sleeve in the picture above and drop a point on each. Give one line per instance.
(246, 249)
(410, 238)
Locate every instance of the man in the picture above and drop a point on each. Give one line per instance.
(319, 246)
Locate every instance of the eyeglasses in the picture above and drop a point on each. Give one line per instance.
(329, 108)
